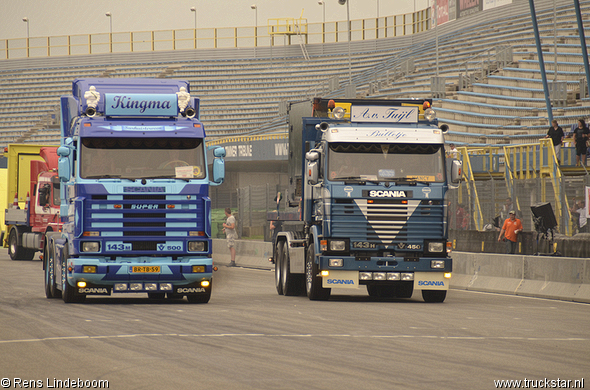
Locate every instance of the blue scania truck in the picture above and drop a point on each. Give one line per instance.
(135, 200)
(370, 178)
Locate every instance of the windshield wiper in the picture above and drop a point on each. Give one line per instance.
(108, 177)
(166, 177)
(409, 180)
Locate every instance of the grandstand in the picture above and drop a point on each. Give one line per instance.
(492, 90)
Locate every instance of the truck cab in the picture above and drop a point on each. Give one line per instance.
(373, 180)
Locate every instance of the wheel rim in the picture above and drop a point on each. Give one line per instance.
(308, 273)
(12, 242)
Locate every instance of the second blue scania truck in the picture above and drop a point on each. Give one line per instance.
(370, 177)
(135, 199)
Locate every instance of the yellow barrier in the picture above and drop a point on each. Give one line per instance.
(229, 37)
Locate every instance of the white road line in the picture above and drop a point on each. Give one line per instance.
(231, 335)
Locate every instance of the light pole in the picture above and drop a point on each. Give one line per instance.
(194, 9)
(342, 2)
(110, 16)
(26, 20)
(255, 8)
(323, 4)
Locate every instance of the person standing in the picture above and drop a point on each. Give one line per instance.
(512, 226)
(557, 135)
(229, 227)
(580, 137)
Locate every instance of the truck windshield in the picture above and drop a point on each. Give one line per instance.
(142, 158)
(385, 162)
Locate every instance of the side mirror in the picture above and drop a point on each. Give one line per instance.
(312, 172)
(63, 151)
(456, 171)
(219, 152)
(63, 168)
(218, 166)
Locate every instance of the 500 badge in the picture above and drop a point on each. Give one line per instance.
(173, 246)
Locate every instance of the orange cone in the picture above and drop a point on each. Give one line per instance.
(15, 201)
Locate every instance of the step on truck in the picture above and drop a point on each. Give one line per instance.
(32, 199)
(135, 199)
(370, 179)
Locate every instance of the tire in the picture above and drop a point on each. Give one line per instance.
(434, 296)
(201, 298)
(280, 247)
(69, 294)
(156, 295)
(16, 251)
(292, 284)
(313, 283)
(51, 290)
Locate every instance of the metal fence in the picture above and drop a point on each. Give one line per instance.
(214, 38)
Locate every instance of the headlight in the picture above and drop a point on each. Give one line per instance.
(197, 246)
(437, 264)
(337, 245)
(436, 247)
(429, 114)
(379, 275)
(90, 246)
(365, 275)
(335, 262)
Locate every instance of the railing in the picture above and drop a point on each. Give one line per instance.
(522, 173)
(212, 38)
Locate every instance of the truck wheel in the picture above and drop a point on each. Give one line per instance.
(201, 298)
(292, 284)
(434, 296)
(313, 283)
(69, 294)
(51, 290)
(278, 266)
(16, 251)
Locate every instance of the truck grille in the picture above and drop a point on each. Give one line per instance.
(386, 221)
(144, 221)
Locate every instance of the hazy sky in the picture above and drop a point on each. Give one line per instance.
(69, 17)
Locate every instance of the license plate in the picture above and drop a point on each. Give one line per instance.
(146, 269)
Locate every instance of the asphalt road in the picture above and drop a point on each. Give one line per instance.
(248, 337)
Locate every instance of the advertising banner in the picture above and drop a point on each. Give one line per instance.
(469, 7)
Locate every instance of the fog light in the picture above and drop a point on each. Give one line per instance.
(151, 286)
(429, 114)
(365, 275)
(166, 287)
(379, 276)
(198, 268)
(447, 275)
(335, 262)
(437, 264)
(337, 245)
(407, 276)
(120, 287)
(81, 284)
(89, 269)
(136, 286)
(196, 246)
(90, 246)
(393, 276)
(338, 112)
(325, 273)
(205, 283)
